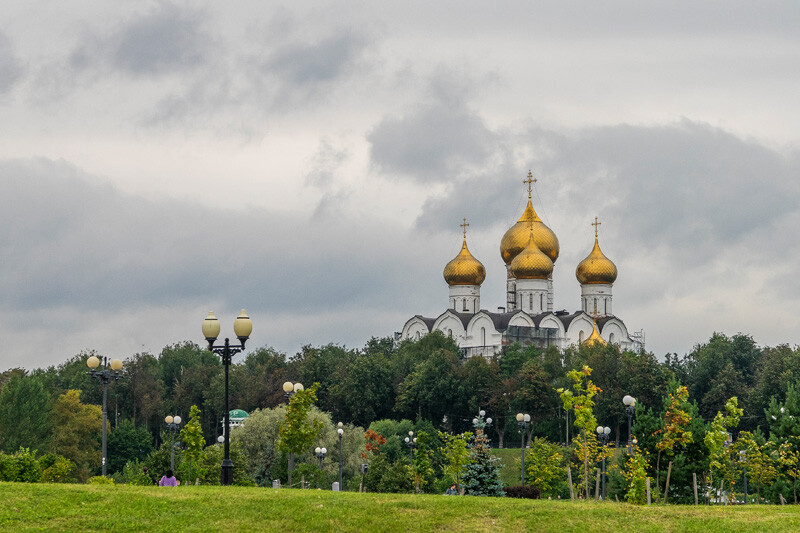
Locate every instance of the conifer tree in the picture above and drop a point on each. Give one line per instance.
(482, 474)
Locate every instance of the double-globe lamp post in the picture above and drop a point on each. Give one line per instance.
(289, 389)
(242, 327)
(411, 441)
(604, 433)
(523, 419)
(104, 376)
(630, 408)
(173, 423)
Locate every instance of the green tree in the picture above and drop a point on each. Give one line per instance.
(580, 400)
(24, 414)
(545, 466)
(482, 475)
(126, 443)
(457, 455)
(675, 430)
(193, 440)
(720, 460)
(79, 433)
(298, 432)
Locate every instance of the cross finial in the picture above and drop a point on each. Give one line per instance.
(529, 180)
(595, 224)
(464, 226)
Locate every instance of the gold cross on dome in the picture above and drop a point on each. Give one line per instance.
(529, 181)
(464, 226)
(595, 224)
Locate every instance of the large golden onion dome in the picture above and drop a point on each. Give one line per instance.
(517, 236)
(595, 338)
(596, 268)
(531, 263)
(464, 269)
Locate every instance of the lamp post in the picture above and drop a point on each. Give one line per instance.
(743, 459)
(604, 433)
(173, 423)
(411, 441)
(242, 327)
(289, 390)
(104, 376)
(340, 431)
(522, 421)
(480, 422)
(630, 408)
(320, 454)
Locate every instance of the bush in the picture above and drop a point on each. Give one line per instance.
(531, 493)
(133, 474)
(100, 480)
(57, 469)
(21, 467)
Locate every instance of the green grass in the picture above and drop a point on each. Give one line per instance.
(125, 508)
(510, 458)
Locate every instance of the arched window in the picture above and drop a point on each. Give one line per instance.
(465, 305)
(417, 335)
(483, 336)
(449, 332)
(580, 337)
(595, 306)
(611, 338)
(605, 306)
(530, 301)
(541, 302)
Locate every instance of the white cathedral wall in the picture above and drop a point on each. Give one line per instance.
(414, 329)
(579, 330)
(452, 326)
(599, 293)
(481, 332)
(465, 298)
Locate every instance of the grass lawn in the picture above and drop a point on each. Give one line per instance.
(125, 508)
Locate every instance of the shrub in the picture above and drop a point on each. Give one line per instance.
(133, 474)
(20, 467)
(532, 493)
(100, 480)
(57, 469)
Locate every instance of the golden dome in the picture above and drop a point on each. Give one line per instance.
(531, 263)
(517, 236)
(596, 268)
(595, 338)
(464, 269)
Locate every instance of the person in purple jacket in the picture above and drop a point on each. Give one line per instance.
(168, 480)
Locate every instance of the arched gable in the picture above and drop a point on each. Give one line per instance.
(522, 319)
(551, 321)
(579, 329)
(414, 328)
(450, 324)
(482, 332)
(614, 331)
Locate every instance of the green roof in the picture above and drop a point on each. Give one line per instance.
(237, 413)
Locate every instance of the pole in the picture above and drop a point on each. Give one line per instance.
(227, 464)
(522, 447)
(604, 477)
(629, 409)
(105, 419)
(172, 449)
(340, 461)
(745, 485)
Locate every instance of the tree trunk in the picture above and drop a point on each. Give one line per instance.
(666, 488)
(569, 480)
(585, 466)
(597, 486)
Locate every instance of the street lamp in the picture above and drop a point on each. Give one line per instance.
(340, 431)
(522, 421)
(104, 377)
(173, 422)
(242, 327)
(480, 422)
(604, 433)
(320, 454)
(630, 408)
(289, 390)
(411, 442)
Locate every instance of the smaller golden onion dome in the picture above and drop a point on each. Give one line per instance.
(596, 268)
(464, 269)
(531, 263)
(595, 338)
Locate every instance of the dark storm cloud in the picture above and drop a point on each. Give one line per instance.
(688, 187)
(432, 143)
(10, 68)
(164, 39)
(69, 241)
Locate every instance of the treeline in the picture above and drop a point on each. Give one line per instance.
(56, 410)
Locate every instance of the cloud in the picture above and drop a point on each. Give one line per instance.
(10, 68)
(75, 244)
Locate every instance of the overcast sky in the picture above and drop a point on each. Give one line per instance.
(311, 162)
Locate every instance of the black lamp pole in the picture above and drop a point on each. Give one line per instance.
(242, 326)
(522, 422)
(173, 423)
(104, 377)
(341, 433)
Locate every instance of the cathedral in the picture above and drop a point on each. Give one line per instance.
(529, 250)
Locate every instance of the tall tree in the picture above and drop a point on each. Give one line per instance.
(79, 432)
(24, 414)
